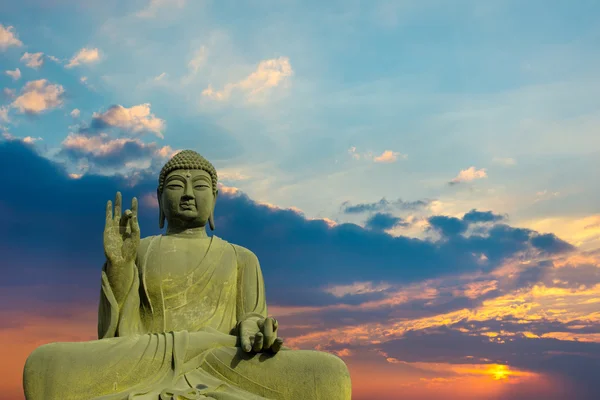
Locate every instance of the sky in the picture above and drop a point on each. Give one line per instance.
(417, 178)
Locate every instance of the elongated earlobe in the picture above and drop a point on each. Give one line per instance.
(211, 221)
(161, 214)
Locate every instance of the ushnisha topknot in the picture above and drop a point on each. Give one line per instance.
(187, 159)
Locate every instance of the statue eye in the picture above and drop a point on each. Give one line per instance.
(175, 186)
(201, 186)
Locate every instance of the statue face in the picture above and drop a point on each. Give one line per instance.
(187, 198)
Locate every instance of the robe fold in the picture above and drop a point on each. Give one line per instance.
(175, 337)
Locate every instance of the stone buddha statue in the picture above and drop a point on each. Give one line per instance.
(182, 315)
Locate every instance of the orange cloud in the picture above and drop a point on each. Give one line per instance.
(469, 174)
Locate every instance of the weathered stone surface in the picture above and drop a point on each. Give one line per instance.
(182, 315)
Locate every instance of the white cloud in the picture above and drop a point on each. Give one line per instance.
(8, 38)
(75, 113)
(160, 77)
(269, 74)
(545, 195)
(469, 174)
(84, 56)
(353, 153)
(4, 114)
(38, 96)
(26, 139)
(16, 74)
(33, 60)
(198, 60)
(136, 119)
(155, 5)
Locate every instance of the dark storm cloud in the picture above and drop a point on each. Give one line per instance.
(383, 205)
(448, 226)
(49, 216)
(384, 221)
(475, 216)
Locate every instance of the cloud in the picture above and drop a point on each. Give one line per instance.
(155, 5)
(8, 38)
(100, 153)
(420, 304)
(39, 96)
(475, 216)
(448, 226)
(33, 60)
(469, 174)
(75, 113)
(136, 119)
(383, 205)
(4, 114)
(27, 140)
(353, 153)
(84, 56)
(545, 195)
(9, 93)
(160, 77)
(198, 60)
(16, 74)
(388, 156)
(268, 75)
(384, 221)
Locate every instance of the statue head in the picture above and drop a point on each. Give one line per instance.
(187, 191)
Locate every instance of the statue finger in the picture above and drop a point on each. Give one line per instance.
(124, 221)
(277, 345)
(117, 214)
(246, 343)
(109, 214)
(134, 226)
(270, 336)
(258, 342)
(134, 206)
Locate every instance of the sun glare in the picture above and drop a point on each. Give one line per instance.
(499, 372)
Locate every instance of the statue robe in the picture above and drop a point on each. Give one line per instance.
(175, 337)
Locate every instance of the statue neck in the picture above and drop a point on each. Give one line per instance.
(192, 233)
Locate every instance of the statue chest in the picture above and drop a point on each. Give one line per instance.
(191, 274)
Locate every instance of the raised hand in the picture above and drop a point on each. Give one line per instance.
(121, 233)
(260, 336)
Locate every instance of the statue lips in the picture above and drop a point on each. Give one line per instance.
(187, 206)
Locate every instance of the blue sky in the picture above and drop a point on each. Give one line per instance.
(462, 137)
(447, 85)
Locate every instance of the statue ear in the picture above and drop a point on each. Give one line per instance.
(211, 219)
(161, 214)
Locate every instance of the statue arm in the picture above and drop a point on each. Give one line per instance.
(251, 300)
(120, 278)
(119, 307)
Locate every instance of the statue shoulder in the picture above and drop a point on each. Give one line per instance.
(244, 255)
(144, 244)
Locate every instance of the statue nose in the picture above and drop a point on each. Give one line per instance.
(188, 192)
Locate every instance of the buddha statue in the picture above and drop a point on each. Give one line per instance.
(182, 315)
